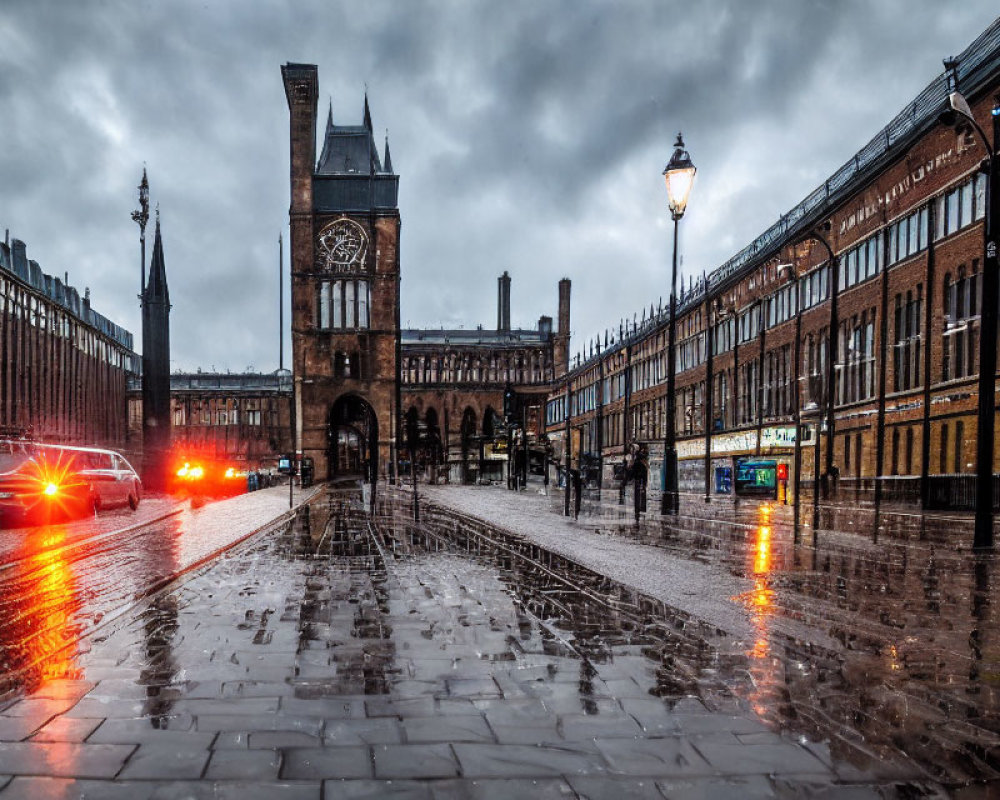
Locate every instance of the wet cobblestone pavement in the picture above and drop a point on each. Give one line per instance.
(332, 658)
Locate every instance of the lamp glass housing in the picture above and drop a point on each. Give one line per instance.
(679, 176)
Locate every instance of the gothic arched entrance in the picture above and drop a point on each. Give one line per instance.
(353, 439)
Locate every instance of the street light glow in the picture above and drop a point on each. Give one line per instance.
(679, 176)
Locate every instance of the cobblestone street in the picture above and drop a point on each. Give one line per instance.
(329, 657)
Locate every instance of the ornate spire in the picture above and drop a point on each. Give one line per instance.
(368, 113)
(329, 117)
(156, 289)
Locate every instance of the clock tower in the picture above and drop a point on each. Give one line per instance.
(344, 219)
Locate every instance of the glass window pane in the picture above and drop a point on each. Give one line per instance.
(965, 204)
(362, 304)
(324, 305)
(914, 234)
(922, 229)
(939, 217)
(338, 305)
(980, 199)
(951, 211)
(349, 319)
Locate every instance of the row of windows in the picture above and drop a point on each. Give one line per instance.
(41, 314)
(781, 306)
(451, 368)
(343, 304)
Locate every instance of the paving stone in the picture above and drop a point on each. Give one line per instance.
(751, 787)
(663, 757)
(510, 761)
(377, 789)
(165, 762)
(331, 708)
(820, 790)
(713, 723)
(501, 789)
(66, 729)
(40, 707)
(611, 788)
(391, 707)
(273, 740)
(748, 759)
(233, 790)
(247, 765)
(326, 763)
(250, 723)
(14, 729)
(63, 688)
(376, 730)
(39, 788)
(134, 731)
(228, 706)
(577, 727)
(106, 707)
(447, 729)
(414, 761)
(63, 760)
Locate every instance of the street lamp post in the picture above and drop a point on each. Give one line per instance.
(679, 175)
(141, 216)
(983, 536)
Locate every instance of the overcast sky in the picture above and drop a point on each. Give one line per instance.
(528, 136)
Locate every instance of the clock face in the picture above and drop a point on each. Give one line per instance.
(342, 246)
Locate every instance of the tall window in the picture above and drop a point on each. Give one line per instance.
(814, 368)
(961, 323)
(906, 343)
(343, 304)
(856, 379)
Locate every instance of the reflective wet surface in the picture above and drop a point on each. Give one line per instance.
(342, 656)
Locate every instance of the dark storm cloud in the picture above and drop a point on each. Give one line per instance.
(528, 137)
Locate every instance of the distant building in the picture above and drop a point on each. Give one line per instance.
(63, 366)
(241, 418)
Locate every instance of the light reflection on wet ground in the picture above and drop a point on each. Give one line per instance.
(394, 653)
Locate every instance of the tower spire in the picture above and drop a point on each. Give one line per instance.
(329, 116)
(387, 163)
(368, 113)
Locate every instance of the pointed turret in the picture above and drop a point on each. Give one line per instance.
(387, 162)
(368, 114)
(156, 288)
(329, 118)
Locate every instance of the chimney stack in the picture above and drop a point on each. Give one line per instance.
(503, 302)
(560, 355)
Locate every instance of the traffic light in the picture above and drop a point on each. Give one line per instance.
(508, 403)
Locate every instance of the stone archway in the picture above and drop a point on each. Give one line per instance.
(352, 436)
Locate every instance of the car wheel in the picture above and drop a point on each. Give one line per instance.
(133, 500)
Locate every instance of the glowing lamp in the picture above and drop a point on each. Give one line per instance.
(679, 175)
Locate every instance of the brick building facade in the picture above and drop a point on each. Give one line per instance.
(63, 366)
(887, 254)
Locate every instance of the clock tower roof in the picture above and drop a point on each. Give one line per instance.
(350, 149)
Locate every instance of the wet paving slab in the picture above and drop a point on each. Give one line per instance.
(339, 656)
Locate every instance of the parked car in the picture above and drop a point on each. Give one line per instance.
(41, 482)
